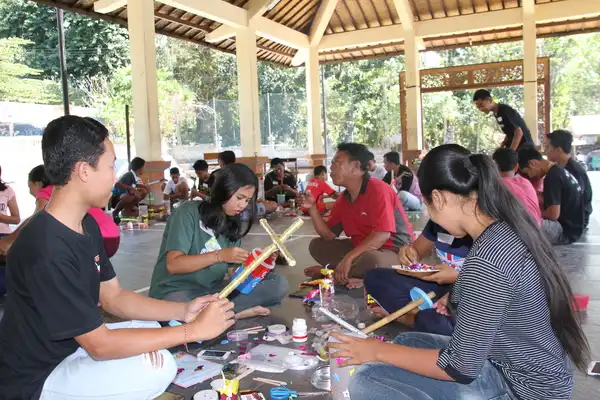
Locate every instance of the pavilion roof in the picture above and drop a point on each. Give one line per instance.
(356, 29)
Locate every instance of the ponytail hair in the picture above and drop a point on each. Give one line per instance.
(38, 174)
(453, 168)
(3, 186)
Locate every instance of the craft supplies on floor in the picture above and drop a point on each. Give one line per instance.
(191, 370)
(207, 395)
(340, 376)
(237, 336)
(278, 333)
(269, 358)
(299, 330)
(300, 363)
(272, 382)
(321, 378)
(281, 393)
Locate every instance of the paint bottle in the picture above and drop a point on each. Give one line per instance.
(299, 330)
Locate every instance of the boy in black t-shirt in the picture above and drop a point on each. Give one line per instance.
(52, 333)
(559, 145)
(509, 120)
(280, 181)
(563, 214)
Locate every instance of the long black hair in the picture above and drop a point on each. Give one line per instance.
(229, 179)
(453, 168)
(2, 184)
(38, 174)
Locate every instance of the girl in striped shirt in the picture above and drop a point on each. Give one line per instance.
(516, 336)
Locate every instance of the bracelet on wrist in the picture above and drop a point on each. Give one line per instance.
(218, 255)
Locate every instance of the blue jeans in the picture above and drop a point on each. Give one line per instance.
(409, 201)
(268, 293)
(377, 381)
(392, 292)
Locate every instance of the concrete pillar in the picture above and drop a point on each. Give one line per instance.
(530, 69)
(143, 69)
(414, 139)
(313, 102)
(248, 100)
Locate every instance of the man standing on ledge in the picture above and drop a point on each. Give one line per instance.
(509, 120)
(370, 214)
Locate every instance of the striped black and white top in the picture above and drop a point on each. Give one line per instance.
(502, 316)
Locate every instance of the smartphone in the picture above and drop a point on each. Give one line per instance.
(594, 368)
(221, 355)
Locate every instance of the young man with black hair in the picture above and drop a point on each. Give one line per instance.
(508, 163)
(225, 158)
(405, 182)
(375, 170)
(204, 180)
(509, 120)
(129, 190)
(368, 211)
(563, 215)
(176, 189)
(559, 145)
(280, 181)
(53, 342)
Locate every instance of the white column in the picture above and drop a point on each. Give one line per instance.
(530, 68)
(413, 92)
(313, 101)
(143, 70)
(248, 101)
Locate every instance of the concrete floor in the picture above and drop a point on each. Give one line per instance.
(136, 257)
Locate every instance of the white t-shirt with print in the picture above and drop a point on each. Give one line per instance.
(6, 195)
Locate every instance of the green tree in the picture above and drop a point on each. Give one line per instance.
(17, 81)
(94, 47)
(177, 106)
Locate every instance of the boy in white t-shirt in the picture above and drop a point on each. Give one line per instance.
(176, 189)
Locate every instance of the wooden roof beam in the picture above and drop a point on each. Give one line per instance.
(545, 12)
(317, 30)
(108, 6)
(215, 10)
(255, 8)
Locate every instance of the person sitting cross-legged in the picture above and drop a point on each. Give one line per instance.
(558, 145)
(404, 181)
(319, 189)
(129, 190)
(507, 161)
(516, 335)
(563, 217)
(370, 214)
(176, 189)
(53, 341)
(201, 246)
(391, 290)
(203, 182)
(280, 181)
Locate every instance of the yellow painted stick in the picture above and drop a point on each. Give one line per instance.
(266, 252)
(407, 308)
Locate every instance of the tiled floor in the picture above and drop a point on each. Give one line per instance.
(135, 261)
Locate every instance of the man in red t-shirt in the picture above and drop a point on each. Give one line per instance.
(319, 189)
(370, 214)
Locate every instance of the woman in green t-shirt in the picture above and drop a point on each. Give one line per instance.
(201, 245)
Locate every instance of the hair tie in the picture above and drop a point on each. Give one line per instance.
(469, 165)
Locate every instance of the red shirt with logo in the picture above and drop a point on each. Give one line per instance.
(376, 209)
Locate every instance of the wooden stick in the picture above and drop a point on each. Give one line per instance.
(266, 252)
(244, 374)
(392, 317)
(270, 381)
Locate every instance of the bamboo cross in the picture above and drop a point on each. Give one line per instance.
(266, 253)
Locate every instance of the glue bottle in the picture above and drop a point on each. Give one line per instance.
(299, 330)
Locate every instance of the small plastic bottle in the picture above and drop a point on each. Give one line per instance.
(299, 330)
